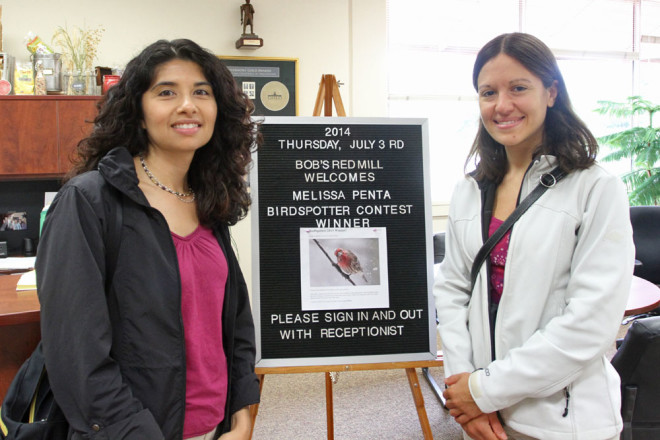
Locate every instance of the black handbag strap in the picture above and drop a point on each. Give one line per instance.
(547, 180)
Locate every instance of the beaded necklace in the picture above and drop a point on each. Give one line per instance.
(181, 196)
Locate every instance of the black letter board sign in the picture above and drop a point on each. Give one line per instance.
(342, 242)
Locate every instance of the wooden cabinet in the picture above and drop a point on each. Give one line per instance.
(38, 134)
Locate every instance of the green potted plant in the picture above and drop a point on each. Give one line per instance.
(641, 145)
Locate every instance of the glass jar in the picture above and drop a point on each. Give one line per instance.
(90, 82)
(78, 84)
(66, 81)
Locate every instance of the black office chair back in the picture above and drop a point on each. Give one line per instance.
(438, 247)
(637, 361)
(645, 222)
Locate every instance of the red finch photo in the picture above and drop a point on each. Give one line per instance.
(348, 262)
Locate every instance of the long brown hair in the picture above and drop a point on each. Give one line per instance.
(565, 136)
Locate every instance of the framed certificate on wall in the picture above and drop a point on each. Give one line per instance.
(271, 83)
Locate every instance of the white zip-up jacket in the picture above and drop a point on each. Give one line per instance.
(566, 282)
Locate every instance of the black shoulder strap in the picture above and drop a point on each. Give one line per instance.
(547, 181)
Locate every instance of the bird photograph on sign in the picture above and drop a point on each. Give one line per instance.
(349, 263)
(344, 267)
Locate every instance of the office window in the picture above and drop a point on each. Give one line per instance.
(606, 49)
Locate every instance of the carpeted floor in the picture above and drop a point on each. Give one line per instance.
(368, 405)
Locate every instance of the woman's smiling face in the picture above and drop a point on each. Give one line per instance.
(513, 102)
(179, 107)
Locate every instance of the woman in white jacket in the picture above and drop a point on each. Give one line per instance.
(525, 346)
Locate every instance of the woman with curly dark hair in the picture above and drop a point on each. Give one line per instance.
(146, 324)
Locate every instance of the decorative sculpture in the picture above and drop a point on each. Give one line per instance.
(251, 40)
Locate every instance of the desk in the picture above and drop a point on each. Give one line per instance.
(19, 328)
(644, 296)
(12, 265)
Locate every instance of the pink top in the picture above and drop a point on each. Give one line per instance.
(498, 260)
(203, 269)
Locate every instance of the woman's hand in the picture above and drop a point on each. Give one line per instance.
(241, 426)
(459, 401)
(485, 427)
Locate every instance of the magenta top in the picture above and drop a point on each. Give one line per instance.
(498, 260)
(203, 270)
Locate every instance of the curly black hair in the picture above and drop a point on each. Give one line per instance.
(565, 135)
(218, 169)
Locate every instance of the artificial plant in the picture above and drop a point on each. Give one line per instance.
(640, 144)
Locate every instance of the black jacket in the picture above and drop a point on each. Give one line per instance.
(116, 357)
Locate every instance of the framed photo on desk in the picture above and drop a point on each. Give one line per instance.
(271, 83)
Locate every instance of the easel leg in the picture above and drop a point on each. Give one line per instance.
(327, 94)
(434, 386)
(327, 79)
(254, 409)
(320, 99)
(336, 98)
(419, 403)
(329, 406)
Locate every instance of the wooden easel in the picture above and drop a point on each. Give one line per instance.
(328, 92)
(327, 369)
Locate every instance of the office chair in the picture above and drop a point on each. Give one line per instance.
(645, 222)
(438, 247)
(438, 256)
(637, 361)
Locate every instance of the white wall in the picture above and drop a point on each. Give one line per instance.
(346, 38)
(320, 33)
